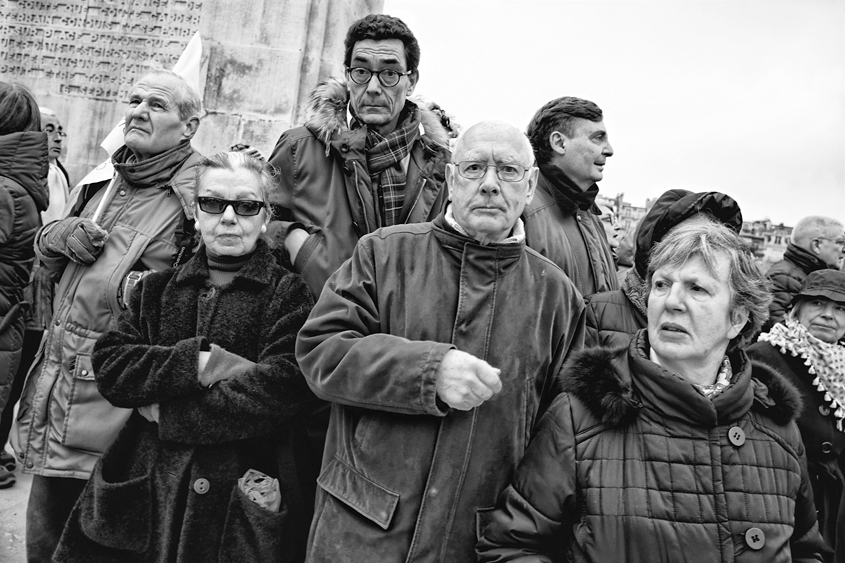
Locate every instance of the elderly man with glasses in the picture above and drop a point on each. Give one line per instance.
(437, 345)
(367, 156)
(817, 244)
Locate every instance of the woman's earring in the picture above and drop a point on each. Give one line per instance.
(263, 228)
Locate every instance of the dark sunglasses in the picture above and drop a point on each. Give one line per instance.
(243, 207)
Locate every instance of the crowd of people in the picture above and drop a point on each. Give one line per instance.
(383, 343)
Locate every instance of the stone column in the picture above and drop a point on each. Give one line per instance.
(261, 60)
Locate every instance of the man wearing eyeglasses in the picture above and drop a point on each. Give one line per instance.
(817, 243)
(437, 345)
(113, 232)
(571, 146)
(367, 156)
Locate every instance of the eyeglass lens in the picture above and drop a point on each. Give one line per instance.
(243, 207)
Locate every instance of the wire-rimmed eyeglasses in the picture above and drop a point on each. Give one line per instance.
(472, 170)
(387, 77)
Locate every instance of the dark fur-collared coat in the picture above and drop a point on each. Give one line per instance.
(632, 464)
(168, 491)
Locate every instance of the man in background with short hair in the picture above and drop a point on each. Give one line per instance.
(367, 156)
(817, 243)
(562, 222)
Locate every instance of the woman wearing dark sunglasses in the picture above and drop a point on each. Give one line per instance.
(205, 356)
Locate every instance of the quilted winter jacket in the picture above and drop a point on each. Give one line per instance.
(613, 316)
(23, 195)
(545, 232)
(63, 423)
(168, 491)
(323, 182)
(632, 464)
(404, 477)
(787, 277)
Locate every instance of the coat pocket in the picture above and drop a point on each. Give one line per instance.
(253, 533)
(363, 495)
(483, 516)
(117, 515)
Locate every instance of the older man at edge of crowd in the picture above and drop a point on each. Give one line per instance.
(438, 345)
(141, 221)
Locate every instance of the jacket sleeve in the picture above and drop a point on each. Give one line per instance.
(591, 330)
(534, 514)
(784, 288)
(806, 543)
(348, 355)
(255, 402)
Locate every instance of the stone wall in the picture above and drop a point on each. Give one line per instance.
(261, 59)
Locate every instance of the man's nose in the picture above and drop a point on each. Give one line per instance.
(374, 86)
(607, 150)
(490, 181)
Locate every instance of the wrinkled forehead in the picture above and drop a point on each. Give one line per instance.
(387, 52)
(162, 86)
(50, 120)
(493, 143)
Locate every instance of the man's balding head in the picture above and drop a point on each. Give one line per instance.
(491, 180)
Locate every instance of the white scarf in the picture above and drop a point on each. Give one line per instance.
(824, 361)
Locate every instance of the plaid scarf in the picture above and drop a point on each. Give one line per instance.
(384, 162)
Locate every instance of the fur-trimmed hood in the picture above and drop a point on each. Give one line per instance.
(615, 384)
(327, 115)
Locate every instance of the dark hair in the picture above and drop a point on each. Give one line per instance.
(18, 109)
(381, 26)
(558, 115)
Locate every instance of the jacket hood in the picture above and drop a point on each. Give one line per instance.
(601, 379)
(327, 114)
(23, 158)
(675, 206)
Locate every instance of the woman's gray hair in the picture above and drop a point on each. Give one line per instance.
(264, 172)
(709, 239)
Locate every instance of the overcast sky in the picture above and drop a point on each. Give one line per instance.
(746, 97)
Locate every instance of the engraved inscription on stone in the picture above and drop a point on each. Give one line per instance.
(91, 48)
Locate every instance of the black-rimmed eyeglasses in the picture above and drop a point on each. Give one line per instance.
(472, 170)
(387, 77)
(243, 207)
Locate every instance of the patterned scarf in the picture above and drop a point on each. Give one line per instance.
(825, 361)
(385, 156)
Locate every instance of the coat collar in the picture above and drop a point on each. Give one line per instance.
(461, 248)
(804, 259)
(260, 270)
(568, 196)
(616, 384)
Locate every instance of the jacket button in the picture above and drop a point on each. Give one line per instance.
(344, 147)
(84, 372)
(201, 486)
(755, 538)
(824, 410)
(29, 465)
(737, 437)
(122, 192)
(827, 447)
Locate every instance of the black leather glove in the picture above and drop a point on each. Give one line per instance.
(79, 239)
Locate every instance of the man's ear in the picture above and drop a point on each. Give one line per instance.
(412, 82)
(191, 126)
(533, 174)
(451, 169)
(557, 142)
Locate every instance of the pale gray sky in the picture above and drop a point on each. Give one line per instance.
(746, 97)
